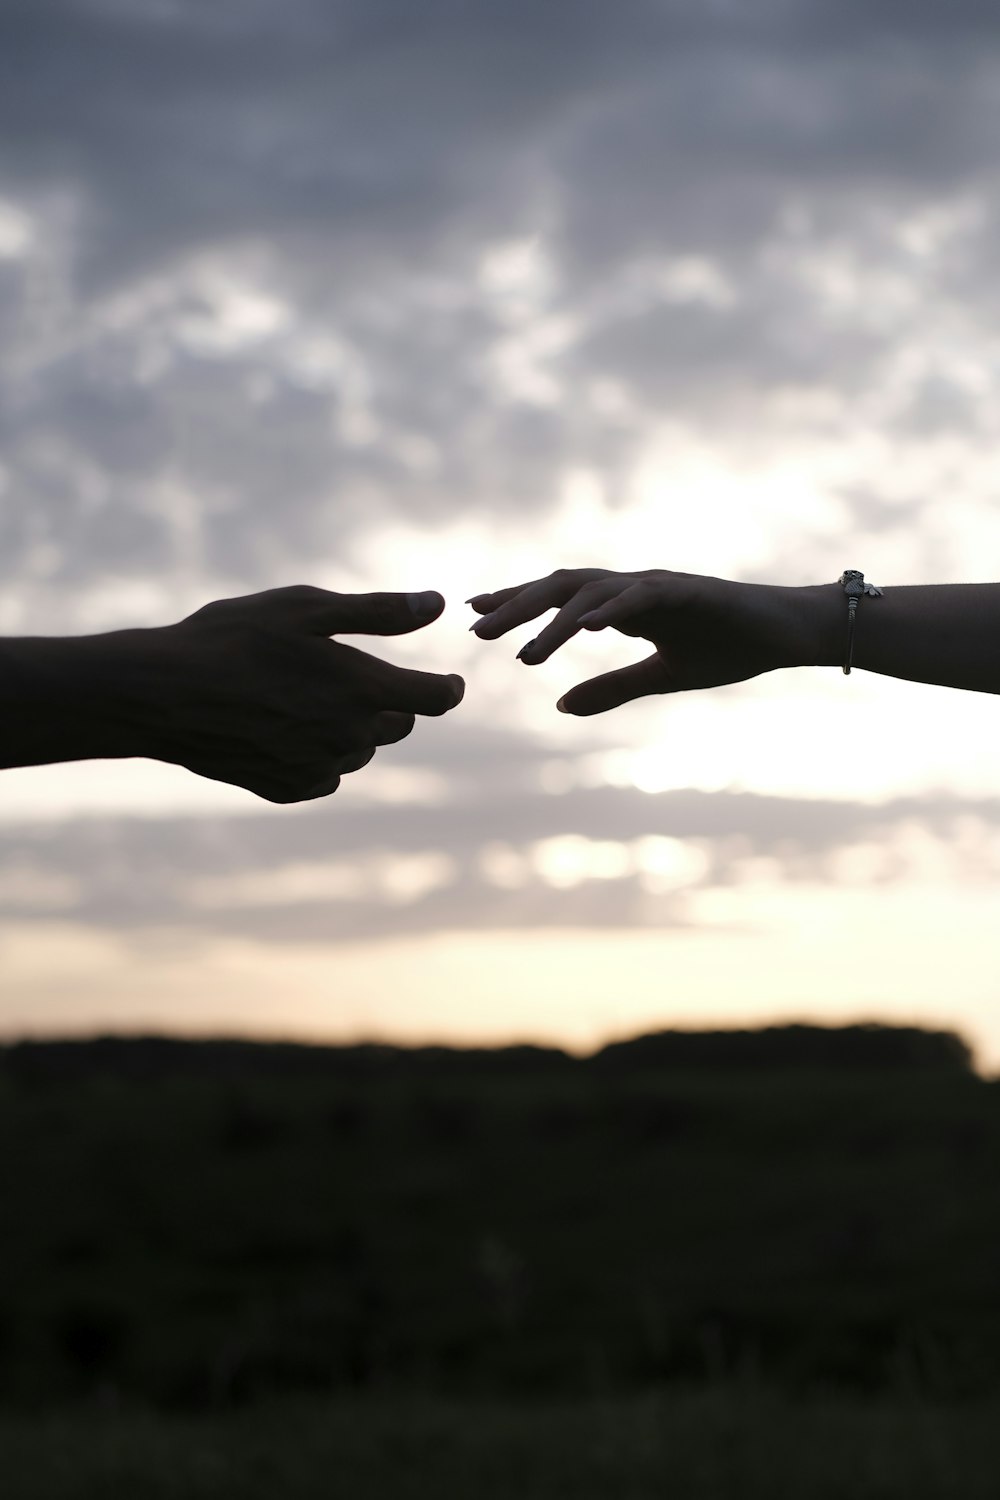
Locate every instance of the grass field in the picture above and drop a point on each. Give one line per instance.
(196, 1238)
(764, 1268)
(723, 1443)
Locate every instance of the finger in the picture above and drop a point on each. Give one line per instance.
(615, 610)
(403, 690)
(324, 788)
(348, 763)
(567, 622)
(484, 604)
(533, 599)
(284, 793)
(380, 685)
(325, 613)
(612, 689)
(388, 728)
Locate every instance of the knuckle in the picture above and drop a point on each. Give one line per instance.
(593, 588)
(307, 599)
(303, 593)
(214, 610)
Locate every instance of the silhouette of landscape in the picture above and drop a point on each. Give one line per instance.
(196, 1228)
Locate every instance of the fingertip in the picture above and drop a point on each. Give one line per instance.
(426, 606)
(348, 764)
(391, 725)
(575, 707)
(445, 702)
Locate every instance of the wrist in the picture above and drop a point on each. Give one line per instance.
(818, 625)
(78, 698)
(122, 672)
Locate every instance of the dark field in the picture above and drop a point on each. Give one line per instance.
(748, 1264)
(713, 1443)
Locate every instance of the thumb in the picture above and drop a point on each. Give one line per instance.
(375, 614)
(612, 689)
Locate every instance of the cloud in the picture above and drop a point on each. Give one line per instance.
(272, 277)
(608, 857)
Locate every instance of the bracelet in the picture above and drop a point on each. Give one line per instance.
(854, 587)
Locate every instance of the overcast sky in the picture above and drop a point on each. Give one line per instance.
(385, 295)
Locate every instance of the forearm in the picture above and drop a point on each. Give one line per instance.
(76, 698)
(947, 634)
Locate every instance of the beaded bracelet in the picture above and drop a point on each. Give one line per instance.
(855, 587)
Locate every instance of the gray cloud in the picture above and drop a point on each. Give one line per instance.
(354, 161)
(137, 874)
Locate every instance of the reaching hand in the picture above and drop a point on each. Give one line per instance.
(255, 693)
(707, 631)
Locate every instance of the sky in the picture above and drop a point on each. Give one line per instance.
(373, 295)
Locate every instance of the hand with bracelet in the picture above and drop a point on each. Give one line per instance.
(710, 631)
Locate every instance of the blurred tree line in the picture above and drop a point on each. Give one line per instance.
(198, 1224)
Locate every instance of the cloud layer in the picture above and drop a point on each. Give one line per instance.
(603, 857)
(270, 278)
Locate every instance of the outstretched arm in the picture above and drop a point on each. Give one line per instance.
(250, 691)
(945, 633)
(709, 631)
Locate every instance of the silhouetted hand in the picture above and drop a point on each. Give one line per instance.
(255, 693)
(250, 691)
(707, 631)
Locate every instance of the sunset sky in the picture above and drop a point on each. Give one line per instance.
(381, 295)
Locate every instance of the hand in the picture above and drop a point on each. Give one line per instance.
(252, 691)
(707, 631)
